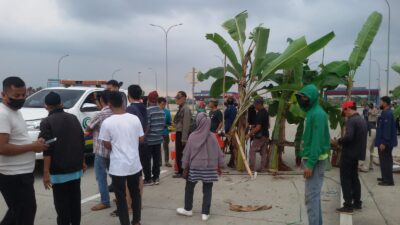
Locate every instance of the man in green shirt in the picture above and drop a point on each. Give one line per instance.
(215, 115)
(316, 144)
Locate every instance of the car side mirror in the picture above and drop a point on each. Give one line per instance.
(89, 107)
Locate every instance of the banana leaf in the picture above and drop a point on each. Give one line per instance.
(364, 40)
(227, 50)
(216, 87)
(260, 36)
(217, 72)
(396, 67)
(236, 27)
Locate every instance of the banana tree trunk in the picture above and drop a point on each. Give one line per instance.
(276, 134)
(241, 130)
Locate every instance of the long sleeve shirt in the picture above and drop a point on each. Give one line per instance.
(386, 130)
(354, 141)
(182, 120)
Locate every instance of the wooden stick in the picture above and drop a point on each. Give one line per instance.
(246, 164)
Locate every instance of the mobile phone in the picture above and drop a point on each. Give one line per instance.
(51, 141)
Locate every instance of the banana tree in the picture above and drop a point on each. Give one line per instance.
(364, 40)
(253, 66)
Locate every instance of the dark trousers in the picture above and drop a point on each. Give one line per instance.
(152, 152)
(386, 164)
(351, 186)
(179, 151)
(166, 149)
(120, 192)
(67, 201)
(207, 195)
(19, 195)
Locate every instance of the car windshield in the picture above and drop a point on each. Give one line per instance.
(68, 98)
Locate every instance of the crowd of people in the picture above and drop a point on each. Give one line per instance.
(128, 140)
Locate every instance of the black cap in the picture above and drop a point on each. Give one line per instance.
(114, 83)
(52, 99)
(258, 100)
(386, 99)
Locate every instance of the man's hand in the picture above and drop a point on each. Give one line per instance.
(185, 173)
(46, 181)
(219, 171)
(248, 136)
(84, 166)
(307, 173)
(39, 146)
(382, 147)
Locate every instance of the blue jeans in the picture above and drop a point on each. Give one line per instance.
(101, 165)
(313, 193)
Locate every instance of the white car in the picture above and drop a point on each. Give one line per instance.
(80, 101)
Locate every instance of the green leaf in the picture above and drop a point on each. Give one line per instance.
(201, 76)
(273, 108)
(217, 72)
(216, 87)
(260, 37)
(226, 49)
(285, 87)
(396, 112)
(340, 68)
(329, 81)
(364, 40)
(236, 27)
(396, 67)
(296, 53)
(396, 92)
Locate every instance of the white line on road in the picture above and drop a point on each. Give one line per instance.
(96, 196)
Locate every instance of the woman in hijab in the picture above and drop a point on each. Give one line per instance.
(202, 160)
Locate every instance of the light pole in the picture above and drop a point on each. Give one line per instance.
(166, 31)
(58, 67)
(379, 74)
(139, 77)
(113, 73)
(155, 77)
(388, 52)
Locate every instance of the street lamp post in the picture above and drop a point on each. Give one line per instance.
(379, 74)
(58, 67)
(113, 73)
(155, 77)
(166, 31)
(139, 77)
(388, 51)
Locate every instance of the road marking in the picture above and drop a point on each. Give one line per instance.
(91, 198)
(96, 196)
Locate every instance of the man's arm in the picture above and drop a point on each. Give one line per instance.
(46, 172)
(349, 134)
(11, 150)
(107, 145)
(187, 118)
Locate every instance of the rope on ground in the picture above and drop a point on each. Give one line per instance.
(300, 214)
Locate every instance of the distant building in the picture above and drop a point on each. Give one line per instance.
(205, 96)
(360, 94)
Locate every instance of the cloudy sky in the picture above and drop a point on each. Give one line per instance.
(102, 35)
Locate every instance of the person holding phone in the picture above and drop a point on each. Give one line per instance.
(64, 162)
(17, 156)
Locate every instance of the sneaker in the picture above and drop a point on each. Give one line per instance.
(183, 212)
(114, 213)
(357, 207)
(156, 181)
(379, 179)
(148, 183)
(177, 175)
(385, 184)
(345, 210)
(205, 217)
(168, 165)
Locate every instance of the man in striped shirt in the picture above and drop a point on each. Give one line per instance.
(154, 139)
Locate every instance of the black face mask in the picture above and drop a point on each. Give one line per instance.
(305, 104)
(15, 103)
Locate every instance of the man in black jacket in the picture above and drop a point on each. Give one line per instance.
(63, 167)
(354, 144)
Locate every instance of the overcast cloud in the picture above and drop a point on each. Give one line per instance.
(102, 35)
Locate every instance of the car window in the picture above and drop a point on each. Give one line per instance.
(91, 99)
(68, 98)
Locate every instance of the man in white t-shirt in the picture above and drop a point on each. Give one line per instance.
(17, 156)
(121, 133)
